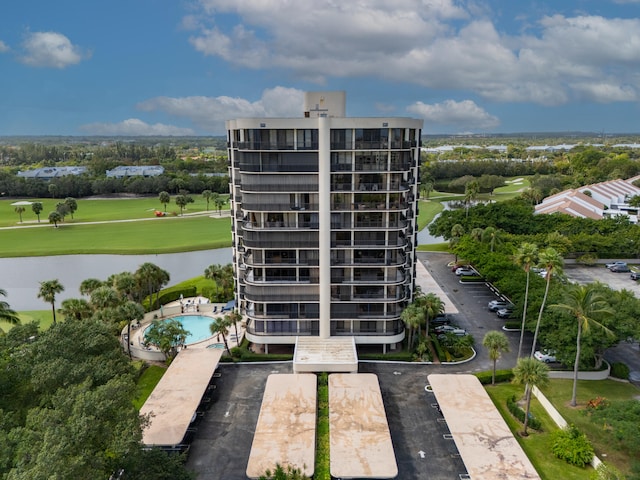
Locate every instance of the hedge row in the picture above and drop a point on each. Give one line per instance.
(517, 412)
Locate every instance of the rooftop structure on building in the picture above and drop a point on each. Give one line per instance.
(123, 171)
(324, 211)
(49, 173)
(599, 200)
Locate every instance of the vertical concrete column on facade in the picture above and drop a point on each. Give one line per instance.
(324, 219)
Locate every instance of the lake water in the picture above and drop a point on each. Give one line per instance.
(21, 277)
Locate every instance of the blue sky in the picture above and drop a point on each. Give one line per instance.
(181, 67)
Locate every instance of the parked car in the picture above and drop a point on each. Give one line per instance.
(620, 268)
(546, 356)
(635, 275)
(615, 264)
(440, 319)
(466, 271)
(461, 332)
(505, 312)
(495, 305)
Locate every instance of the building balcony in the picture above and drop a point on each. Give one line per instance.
(283, 327)
(279, 187)
(280, 225)
(278, 207)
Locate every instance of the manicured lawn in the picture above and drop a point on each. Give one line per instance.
(606, 447)
(101, 210)
(146, 383)
(163, 235)
(44, 317)
(428, 210)
(536, 445)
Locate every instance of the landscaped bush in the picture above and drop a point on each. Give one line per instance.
(168, 295)
(519, 413)
(620, 370)
(471, 279)
(403, 356)
(588, 259)
(513, 325)
(501, 376)
(572, 446)
(442, 356)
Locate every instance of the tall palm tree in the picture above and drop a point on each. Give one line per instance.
(220, 326)
(206, 194)
(491, 235)
(233, 318)
(412, 316)
(48, 291)
(471, 190)
(525, 257)
(457, 231)
(476, 234)
(105, 297)
(153, 278)
(20, 210)
(6, 313)
(584, 303)
(164, 198)
(432, 306)
(89, 285)
(496, 342)
(531, 373)
(552, 262)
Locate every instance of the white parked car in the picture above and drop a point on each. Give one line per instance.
(546, 356)
(461, 332)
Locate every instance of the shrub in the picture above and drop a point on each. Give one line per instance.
(513, 325)
(572, 446)
(597, 403)
(588, 259)
(620, 370)
(501, 376)
(519, 413)
(606, 472)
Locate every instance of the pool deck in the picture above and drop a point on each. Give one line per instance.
(186, 306)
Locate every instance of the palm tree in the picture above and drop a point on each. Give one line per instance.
(164, 198)
(36, 207)
(220, 327)
(20, 210)
(531, 373)
(76, 309)
(206, 194)
(457, 231)
(584, 303)
(432, 306)
(496, 343)
(48, 291)
(526, 256)
(552, 262)
(412, 316)
(153, 278)
(491, 235)
(89, 285)
(105, 297)
(471, 190)
(55, 218)
(476, 234)
(6, 313)
(233, 318)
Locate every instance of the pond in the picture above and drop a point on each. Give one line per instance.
(20, 277)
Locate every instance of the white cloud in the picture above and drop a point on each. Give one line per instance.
(439, 44)
(210, 113)
(135, 127)
(50, 49)
(3, 47)
(465, 114)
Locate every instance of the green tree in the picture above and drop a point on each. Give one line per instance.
(206, 194)
(20, 210)
(53, 190)
(585, 304)
(427, 187)
(77, 309)
(552, 262)
(471, 191)
(6, 313)
(167, 335)
(105, 297)
(36, 207)
(89, 285)
(164, 198)
(525, 257)
(218, 201)
(496, 343)
(432, 306)
(55, 218)
(63, 209)
(220, 326)
(412, 316)
(48, 291)
(72, 204)
(152, 278)
(492, 236)
(531, 373)
(181, 201)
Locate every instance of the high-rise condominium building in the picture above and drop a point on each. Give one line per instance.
(324, 212)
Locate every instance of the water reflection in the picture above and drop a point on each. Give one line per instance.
(20, 277)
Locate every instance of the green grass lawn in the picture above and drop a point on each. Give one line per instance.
(146, 383)
(164, 235)
(428, 210)
(536, 445)
(91, 210)
(606, 447)
(43, 317)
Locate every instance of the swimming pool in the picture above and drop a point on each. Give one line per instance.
(197, 326)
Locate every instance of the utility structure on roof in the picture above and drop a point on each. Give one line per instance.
(324, 211)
